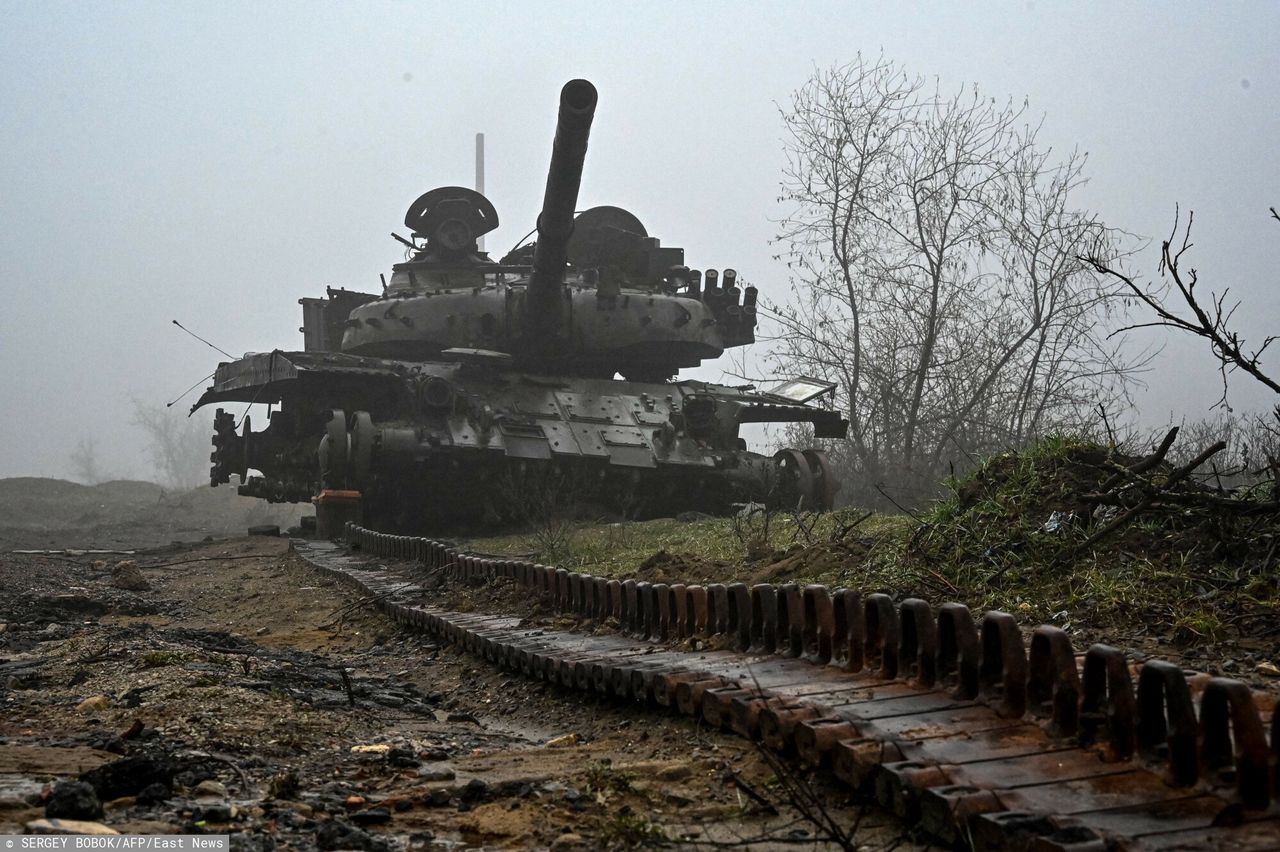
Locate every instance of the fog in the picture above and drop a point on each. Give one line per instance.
(212, 163)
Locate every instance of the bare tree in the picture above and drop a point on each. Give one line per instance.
(179, 445)
(1208, 319)
(84, 462)
(936, 275)
(1255, 438)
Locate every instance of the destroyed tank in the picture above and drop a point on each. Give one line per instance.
(467, 383)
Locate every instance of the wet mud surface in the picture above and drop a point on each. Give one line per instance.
(225, 687)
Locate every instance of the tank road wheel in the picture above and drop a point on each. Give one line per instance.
(361, 449)
(333, 451)
(825, 483)
(795, 468)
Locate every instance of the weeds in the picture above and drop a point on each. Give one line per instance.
(1006, 537)
(628, 829)
(159, 659)
(603, 779)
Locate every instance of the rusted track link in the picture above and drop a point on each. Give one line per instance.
(960, 724)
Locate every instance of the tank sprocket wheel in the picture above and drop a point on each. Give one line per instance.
(226, 447)
(361, 449)
(797, 466)
(333, 451)
(825, 483)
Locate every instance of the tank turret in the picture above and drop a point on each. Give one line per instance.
(465, 372)
(594, 296)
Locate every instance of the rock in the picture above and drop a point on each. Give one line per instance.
(78, 604)
(218, 813)
(475, 790)
(438, 798)
(403, 805)
(677, 772)
(210, 789)
(94, 704)
(265, 529)
(284, 785)
(341, 835)
(403, 758)
(1268, 669)
(126, 575)
(371, 748)
(128, 776)
(458, 716)
(262, 631)
(73, 800)
(373, 816)
(154, 794)
(436, 773)
(67, 826)
(569, 841)
(243, 841)
(565, 741)
(354, 802)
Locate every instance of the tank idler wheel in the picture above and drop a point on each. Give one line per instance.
(333, 451)
(796, 467)
(825, 483)
(225, 449)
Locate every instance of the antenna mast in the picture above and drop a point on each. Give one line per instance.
(480, 176)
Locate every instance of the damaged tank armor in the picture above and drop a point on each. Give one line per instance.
(466, 372)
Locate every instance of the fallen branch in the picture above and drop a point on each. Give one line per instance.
(1145, 464)
(1124, 517)
(210, 559)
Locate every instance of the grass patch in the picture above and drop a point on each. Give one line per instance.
(1009, 536)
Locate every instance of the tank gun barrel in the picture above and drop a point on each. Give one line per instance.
(555, 222)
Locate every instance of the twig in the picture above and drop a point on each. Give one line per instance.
(210, 559)
(103, 653)
(752, 793)
(346, 684)
(903, 509)
(1145, 464)
(1106, 424)
(950, 586)
(1174, 478)
(218, 758)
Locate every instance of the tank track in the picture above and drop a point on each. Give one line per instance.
(967, 728)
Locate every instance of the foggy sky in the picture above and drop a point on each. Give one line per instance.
(213, 163)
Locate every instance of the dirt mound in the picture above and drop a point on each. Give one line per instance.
(36, 512)
(812, 563)
(1039, 483)
(665, 567)
(30, 501)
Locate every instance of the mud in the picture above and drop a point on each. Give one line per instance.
(261, 700)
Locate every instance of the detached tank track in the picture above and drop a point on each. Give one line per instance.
(957, 724)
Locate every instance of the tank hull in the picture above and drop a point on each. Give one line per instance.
(438, 443)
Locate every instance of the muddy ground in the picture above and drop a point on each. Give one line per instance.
(225, 687)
